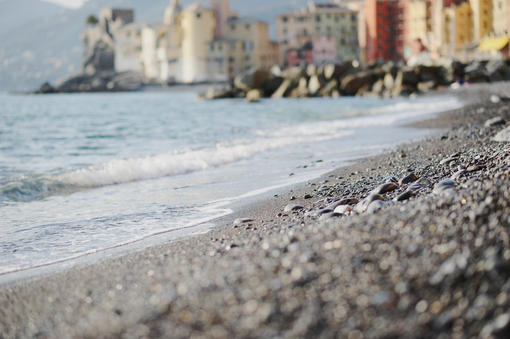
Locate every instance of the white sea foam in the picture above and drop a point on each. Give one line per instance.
(174, 163)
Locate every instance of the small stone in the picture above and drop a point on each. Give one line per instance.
(475, 168)
(374, 206)
(240, 221)
(330, 215)
(318, 213)
(343, 209)
(384, 188)
(408, 179)
(424, 181)
(343, 201)
(307, 196)
(495, 121)
(292, 207)
(448, 160)
(444, 185)
(458, 174)
(503, 135)
(404, 196)
(495, 99)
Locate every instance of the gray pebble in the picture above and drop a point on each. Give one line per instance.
(318, 213)
(240, 221)
(495, 121)
(375, 206)
(330, 215)
(458, 174)
(448, 160)
(292, 207)
(384, 188)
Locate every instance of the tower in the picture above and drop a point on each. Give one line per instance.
(172, 12)
(221, 9)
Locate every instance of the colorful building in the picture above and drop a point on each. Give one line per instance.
(318, 22)
(385, 30)
(458, 33)
(481, 19)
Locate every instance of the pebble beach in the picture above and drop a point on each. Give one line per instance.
(412, 243)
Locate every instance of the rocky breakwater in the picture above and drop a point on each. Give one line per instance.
(97, 75)
(352, 79)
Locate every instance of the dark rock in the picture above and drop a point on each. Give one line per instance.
(271, 85)
(458, 174)
(404, 196)
(285, 89)
(408, 179)
(352, 83)
(251, 79)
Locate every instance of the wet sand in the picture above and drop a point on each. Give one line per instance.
(435, 265)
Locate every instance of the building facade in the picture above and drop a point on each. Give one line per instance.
(320, 22)
(385, 30)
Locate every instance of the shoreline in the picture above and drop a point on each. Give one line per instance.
(364, 275)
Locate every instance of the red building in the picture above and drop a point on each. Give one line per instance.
(385, 27)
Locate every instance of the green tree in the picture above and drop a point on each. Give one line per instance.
(91, 20)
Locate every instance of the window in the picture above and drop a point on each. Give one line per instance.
(212, 47)
(231, 59)
(232, 46)
(318, 18)
(305, 32)
(248, 45)
(220, 47)
(198, 15)
(285, 19)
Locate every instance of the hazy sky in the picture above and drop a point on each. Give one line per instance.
(68, 3)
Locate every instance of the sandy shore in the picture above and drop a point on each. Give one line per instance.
(435, 264)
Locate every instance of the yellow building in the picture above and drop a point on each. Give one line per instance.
(458, 30)
(198, 27)
(481, 19)
(419, 26)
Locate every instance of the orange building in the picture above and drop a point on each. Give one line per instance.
(385, 20)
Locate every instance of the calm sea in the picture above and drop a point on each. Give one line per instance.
(81, 174)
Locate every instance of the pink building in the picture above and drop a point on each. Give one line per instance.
(295, 56)
(325, 48)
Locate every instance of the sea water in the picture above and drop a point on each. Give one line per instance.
(86, 173)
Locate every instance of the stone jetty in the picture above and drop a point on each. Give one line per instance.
(350, 78)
